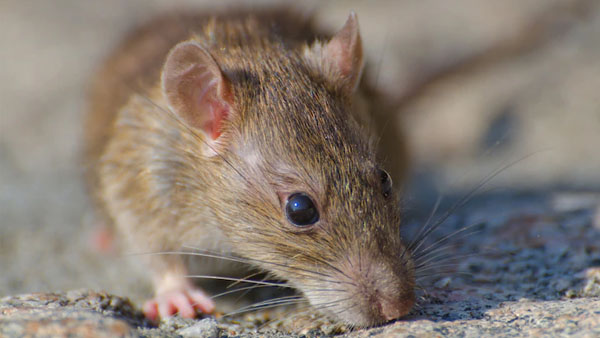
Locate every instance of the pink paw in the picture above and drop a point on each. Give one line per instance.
(184, 302)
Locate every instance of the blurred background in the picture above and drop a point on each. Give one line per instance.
(479, 85)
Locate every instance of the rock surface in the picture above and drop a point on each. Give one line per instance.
(535, 272)
(71, 314)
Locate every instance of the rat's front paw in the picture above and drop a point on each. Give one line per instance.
(184, 301)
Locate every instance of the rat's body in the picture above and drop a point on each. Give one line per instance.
(238, 134)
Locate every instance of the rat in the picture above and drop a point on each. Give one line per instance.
(251, 134)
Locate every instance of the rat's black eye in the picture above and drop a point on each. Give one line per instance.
(386, 183)
(301, 210)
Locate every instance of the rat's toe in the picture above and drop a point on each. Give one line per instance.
(182, 302)
(183, 305)
(201, 301)
(166, 308)
(150, 310)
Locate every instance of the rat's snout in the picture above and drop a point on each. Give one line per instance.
(393, 307)
(374, 290)
(387, 290)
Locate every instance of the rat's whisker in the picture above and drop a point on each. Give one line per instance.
(454, 236)
(328, 305)
(345, 309)
(328, 290)
(442, 274)
(442, 242)
(274, 266)
(417, 242)
(247, 277)
(208, 255)
(442, 258)
(427, 222)
(240, 296)
(258, 308)
(272, 301)
(420, 287)
(268, 304)
(281, 285)
(441, 266)
(252, 287)
(331, 266)
(298, 312)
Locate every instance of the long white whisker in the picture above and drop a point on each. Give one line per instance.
(429, 218)
(442, 258)
(208, 254)
(464, 200)
(245, 288)
(432, 247)
(281, 285)
(256, 307)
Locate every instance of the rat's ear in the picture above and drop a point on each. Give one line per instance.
(196, 89)
(341, 59)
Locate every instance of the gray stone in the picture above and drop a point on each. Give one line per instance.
(205, 328)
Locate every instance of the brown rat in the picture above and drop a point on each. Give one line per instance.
(246, 134)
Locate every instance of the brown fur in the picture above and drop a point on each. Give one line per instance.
(294, 128)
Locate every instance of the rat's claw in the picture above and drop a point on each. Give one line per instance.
(182, 302)
(151, 310)
(184, 305)
(201, 301)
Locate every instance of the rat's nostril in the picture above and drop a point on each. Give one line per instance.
(396, 307)
(384, 291)
(390, 310)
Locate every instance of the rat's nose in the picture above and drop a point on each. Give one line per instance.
(379, 290)
(391, 296)
(396, 307)
(390, 312)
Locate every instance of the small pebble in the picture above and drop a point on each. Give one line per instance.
(204, 328)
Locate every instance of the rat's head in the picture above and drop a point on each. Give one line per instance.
(301, 190)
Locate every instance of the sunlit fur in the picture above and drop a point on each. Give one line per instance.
(294, 129)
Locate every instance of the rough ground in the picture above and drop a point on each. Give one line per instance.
(479, 85)
(536, 272)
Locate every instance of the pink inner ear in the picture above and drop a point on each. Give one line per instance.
(211, 109)
(218, 113)
(196, 89)
(342, 57)
(344, 53)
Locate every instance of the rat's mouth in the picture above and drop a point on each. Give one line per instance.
(362, 295)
